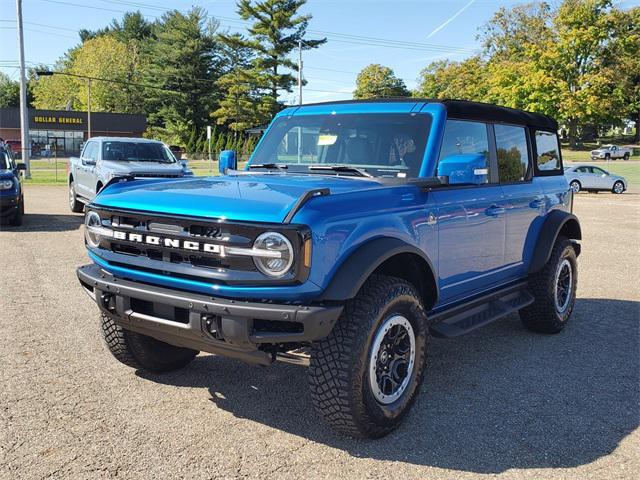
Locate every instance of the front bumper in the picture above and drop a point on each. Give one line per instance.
(9, 204)
(232, 328)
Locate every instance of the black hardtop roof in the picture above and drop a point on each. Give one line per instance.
(468, 110)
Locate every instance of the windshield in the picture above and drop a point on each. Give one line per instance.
(378, 144)
(136, 152)
(5, 162)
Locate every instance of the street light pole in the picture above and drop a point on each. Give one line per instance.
(24, 112)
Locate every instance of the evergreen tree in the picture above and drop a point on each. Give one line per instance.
(274, 35)
(183, 66)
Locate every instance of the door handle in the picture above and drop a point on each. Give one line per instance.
(494, 211)
(538, 203)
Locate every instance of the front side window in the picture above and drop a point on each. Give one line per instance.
(512, 153)
(464, 155)
(379, 144)
(90, 151)
(598, 171)
(136, 152)
(548, 151)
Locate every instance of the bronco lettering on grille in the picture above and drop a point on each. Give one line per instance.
(167, 242)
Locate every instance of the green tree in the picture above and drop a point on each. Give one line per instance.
(378, 81)
(465, 80)
(102, 57)
(183, 67)
(557, 62)
(240, 105)
(9, 91)
(273, 36)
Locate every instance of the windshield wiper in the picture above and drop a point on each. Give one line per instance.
(360, 172)
(269, 166)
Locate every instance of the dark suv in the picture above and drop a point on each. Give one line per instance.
(357, 230)
(11, 191)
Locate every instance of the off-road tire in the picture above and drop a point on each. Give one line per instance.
(74, 204)
(17, 218)
(625, 157)
(142, 352)
(339, 366)
(543, 315)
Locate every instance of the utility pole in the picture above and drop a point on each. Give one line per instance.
(300, 72)
(24, 113)
(88, 108)
(299, 97)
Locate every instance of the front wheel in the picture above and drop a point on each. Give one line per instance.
(554, 291)
(17, 219)
(366, 374)
(575, 186)
(618, 188)
(74, 205)
(142, 352)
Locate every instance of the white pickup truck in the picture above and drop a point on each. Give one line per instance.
(104, 158)
(611, 152)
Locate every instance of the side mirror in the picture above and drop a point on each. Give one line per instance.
(21, 166)
(88, 162)
(184, 163)
(227, 161)
(468, 168)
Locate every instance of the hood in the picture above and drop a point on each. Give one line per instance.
(142, 167)
(254, 198)
(4, 174)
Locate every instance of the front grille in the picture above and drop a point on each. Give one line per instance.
(210, 265)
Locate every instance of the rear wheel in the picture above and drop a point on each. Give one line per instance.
(142, 352)
(74, 205)
(575, 186)
(366, 374)
(626, 156)
(554, 291)
(618, 187)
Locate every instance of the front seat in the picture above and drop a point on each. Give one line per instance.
(359, 151)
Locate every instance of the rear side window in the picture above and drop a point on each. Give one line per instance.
(548, 152)
(512, 153)
(464, 155)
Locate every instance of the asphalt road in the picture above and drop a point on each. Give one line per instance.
(500, 401)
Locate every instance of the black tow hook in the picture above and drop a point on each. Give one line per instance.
(108, 302)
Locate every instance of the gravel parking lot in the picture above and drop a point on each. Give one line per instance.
(500, 401)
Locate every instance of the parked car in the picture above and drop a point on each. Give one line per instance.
(396, 220)
(11, 191)
(611, 152)
(593, 179)
(105, 158)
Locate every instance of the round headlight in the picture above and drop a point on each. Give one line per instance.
(273, 254)
(92, 219)
(6, 184)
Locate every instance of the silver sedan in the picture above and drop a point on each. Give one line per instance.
(591, 178)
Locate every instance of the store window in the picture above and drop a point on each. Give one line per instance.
(49, 143)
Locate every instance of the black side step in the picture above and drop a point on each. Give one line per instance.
(477, 313)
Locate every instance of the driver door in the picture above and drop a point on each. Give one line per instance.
(85, 181)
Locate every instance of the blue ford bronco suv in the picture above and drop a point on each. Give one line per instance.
(357, 230)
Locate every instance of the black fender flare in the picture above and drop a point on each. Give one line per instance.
(556, 221)
(359, 266)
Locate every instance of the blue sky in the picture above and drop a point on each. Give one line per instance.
(416, 32)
